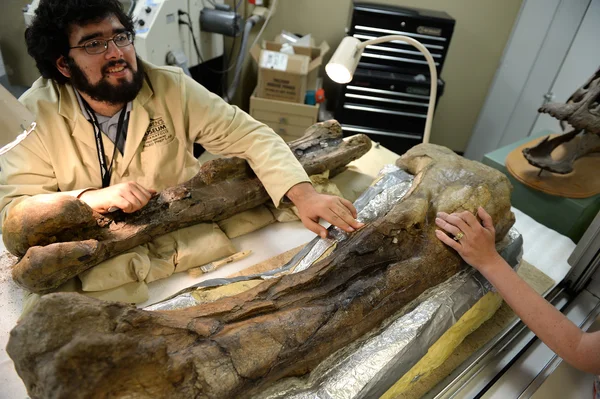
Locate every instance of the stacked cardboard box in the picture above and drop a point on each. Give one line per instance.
(283, 81)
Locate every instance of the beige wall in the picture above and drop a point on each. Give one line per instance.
(480, 35)
(20, 67)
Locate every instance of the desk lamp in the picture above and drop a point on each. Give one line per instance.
(343, 63)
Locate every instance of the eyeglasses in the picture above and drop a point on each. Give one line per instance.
(98, 46)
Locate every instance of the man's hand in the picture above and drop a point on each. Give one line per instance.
(129, 197)
(312, 206)
(474, 241)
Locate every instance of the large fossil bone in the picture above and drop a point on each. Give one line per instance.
(71, 346)
(61, 238)
(582, 112)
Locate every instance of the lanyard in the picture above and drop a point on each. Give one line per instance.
(105, 172)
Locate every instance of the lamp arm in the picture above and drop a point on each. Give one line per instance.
(432, 72)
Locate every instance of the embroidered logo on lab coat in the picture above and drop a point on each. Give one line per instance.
(157, 133)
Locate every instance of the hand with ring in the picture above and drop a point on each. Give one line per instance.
(473, 240)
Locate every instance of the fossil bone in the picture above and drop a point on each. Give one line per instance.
(61, 238)
(582, 112)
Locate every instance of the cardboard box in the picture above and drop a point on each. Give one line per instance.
(316, 54)
(289, 120)
(286, 77)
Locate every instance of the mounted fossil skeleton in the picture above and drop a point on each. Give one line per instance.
(285, 326)
(56, 240)
(582, 112)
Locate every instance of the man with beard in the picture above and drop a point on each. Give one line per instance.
(112, 130)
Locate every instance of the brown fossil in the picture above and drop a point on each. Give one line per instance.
(56, 240)
(582, 112)
(71, 346)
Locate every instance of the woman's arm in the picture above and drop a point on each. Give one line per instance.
(582, 350)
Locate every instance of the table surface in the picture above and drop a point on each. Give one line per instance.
(543, 248)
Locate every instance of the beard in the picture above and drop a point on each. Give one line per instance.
(105, 91)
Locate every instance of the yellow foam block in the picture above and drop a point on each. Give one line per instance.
(441, 350)
(211, 294)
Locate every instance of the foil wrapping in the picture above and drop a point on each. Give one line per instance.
(389, 187)
(181, 301)
(185, 298)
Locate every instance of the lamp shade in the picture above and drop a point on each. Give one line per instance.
(15, 121)
(343, 63)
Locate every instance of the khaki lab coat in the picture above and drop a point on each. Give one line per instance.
(170, 113)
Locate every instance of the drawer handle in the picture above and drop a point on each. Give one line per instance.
(283, 120)
(359, 129)
(386, 100)
(400, 59)
(282, 130)
(393, 93)
(384, 111)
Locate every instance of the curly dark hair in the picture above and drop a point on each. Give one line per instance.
(48, 36)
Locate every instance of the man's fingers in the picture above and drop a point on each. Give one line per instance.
(335, 210)
(338, 221)
(123, 204)
(443, 237)
(315, 227)
(346, 216)
(133, 202)
(488, 223)
(141, 194)
(138, 189)
(349, 206)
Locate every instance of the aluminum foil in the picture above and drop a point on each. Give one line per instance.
(320, 247)
(181, 301)
(368, 368)
(185, 299)
(390, 186)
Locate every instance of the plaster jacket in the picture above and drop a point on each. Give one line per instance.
(170, 113)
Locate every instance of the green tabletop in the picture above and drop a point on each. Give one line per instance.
(568, 216)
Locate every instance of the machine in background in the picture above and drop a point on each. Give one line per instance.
(167, 32)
